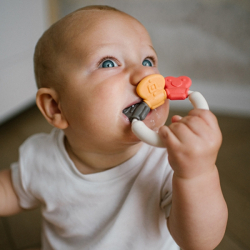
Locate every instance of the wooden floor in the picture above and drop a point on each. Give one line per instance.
(22, 231)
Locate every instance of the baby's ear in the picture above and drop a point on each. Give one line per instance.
(48, 102)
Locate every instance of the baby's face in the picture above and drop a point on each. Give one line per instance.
(102, 67)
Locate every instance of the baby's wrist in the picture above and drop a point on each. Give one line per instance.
(196, 174)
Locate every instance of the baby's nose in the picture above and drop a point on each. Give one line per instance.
(140, 73)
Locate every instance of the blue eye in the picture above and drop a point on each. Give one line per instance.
(108, 64)
(147, 62)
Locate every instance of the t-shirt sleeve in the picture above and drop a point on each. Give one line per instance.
(19, 179)
(166, 201)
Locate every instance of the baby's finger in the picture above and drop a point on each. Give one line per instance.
(211, 132)
(168, 137)
(182, 131)
(196, 125)
(207, 116)
(176, 118)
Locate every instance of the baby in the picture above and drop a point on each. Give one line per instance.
(99, 186)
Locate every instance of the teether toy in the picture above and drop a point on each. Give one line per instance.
(154, 89)
(151, 90)
(177, 87)
(137, 111)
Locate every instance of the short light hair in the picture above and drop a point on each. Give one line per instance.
(49, 46)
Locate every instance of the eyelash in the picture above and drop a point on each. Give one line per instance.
(106, 58)
(152, 58)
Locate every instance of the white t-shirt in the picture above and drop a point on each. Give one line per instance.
(118, 209)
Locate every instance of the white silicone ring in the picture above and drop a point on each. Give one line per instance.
(150, 137)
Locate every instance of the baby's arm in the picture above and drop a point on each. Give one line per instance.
(199, 213)
(9, 203)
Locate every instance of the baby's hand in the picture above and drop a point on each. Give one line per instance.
(192, 142)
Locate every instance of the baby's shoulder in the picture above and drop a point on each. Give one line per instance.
(41, 144)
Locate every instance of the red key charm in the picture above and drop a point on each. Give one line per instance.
(177, 87)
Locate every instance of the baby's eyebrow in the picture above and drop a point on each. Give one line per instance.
(153, 49)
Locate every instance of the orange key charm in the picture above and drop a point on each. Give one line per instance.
(151, 90)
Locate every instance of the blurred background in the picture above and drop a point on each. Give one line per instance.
(209, 41)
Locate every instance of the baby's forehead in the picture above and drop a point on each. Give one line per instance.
(85, 20)
(97, 24)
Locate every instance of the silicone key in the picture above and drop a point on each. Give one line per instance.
(177, 87)
(151, 90)
(137, 111)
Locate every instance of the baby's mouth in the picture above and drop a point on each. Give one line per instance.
(137, 111)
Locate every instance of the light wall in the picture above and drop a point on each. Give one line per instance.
(205, 40)
(22, 23)
(209, 41)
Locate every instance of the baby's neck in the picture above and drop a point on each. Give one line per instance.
(93, 162)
